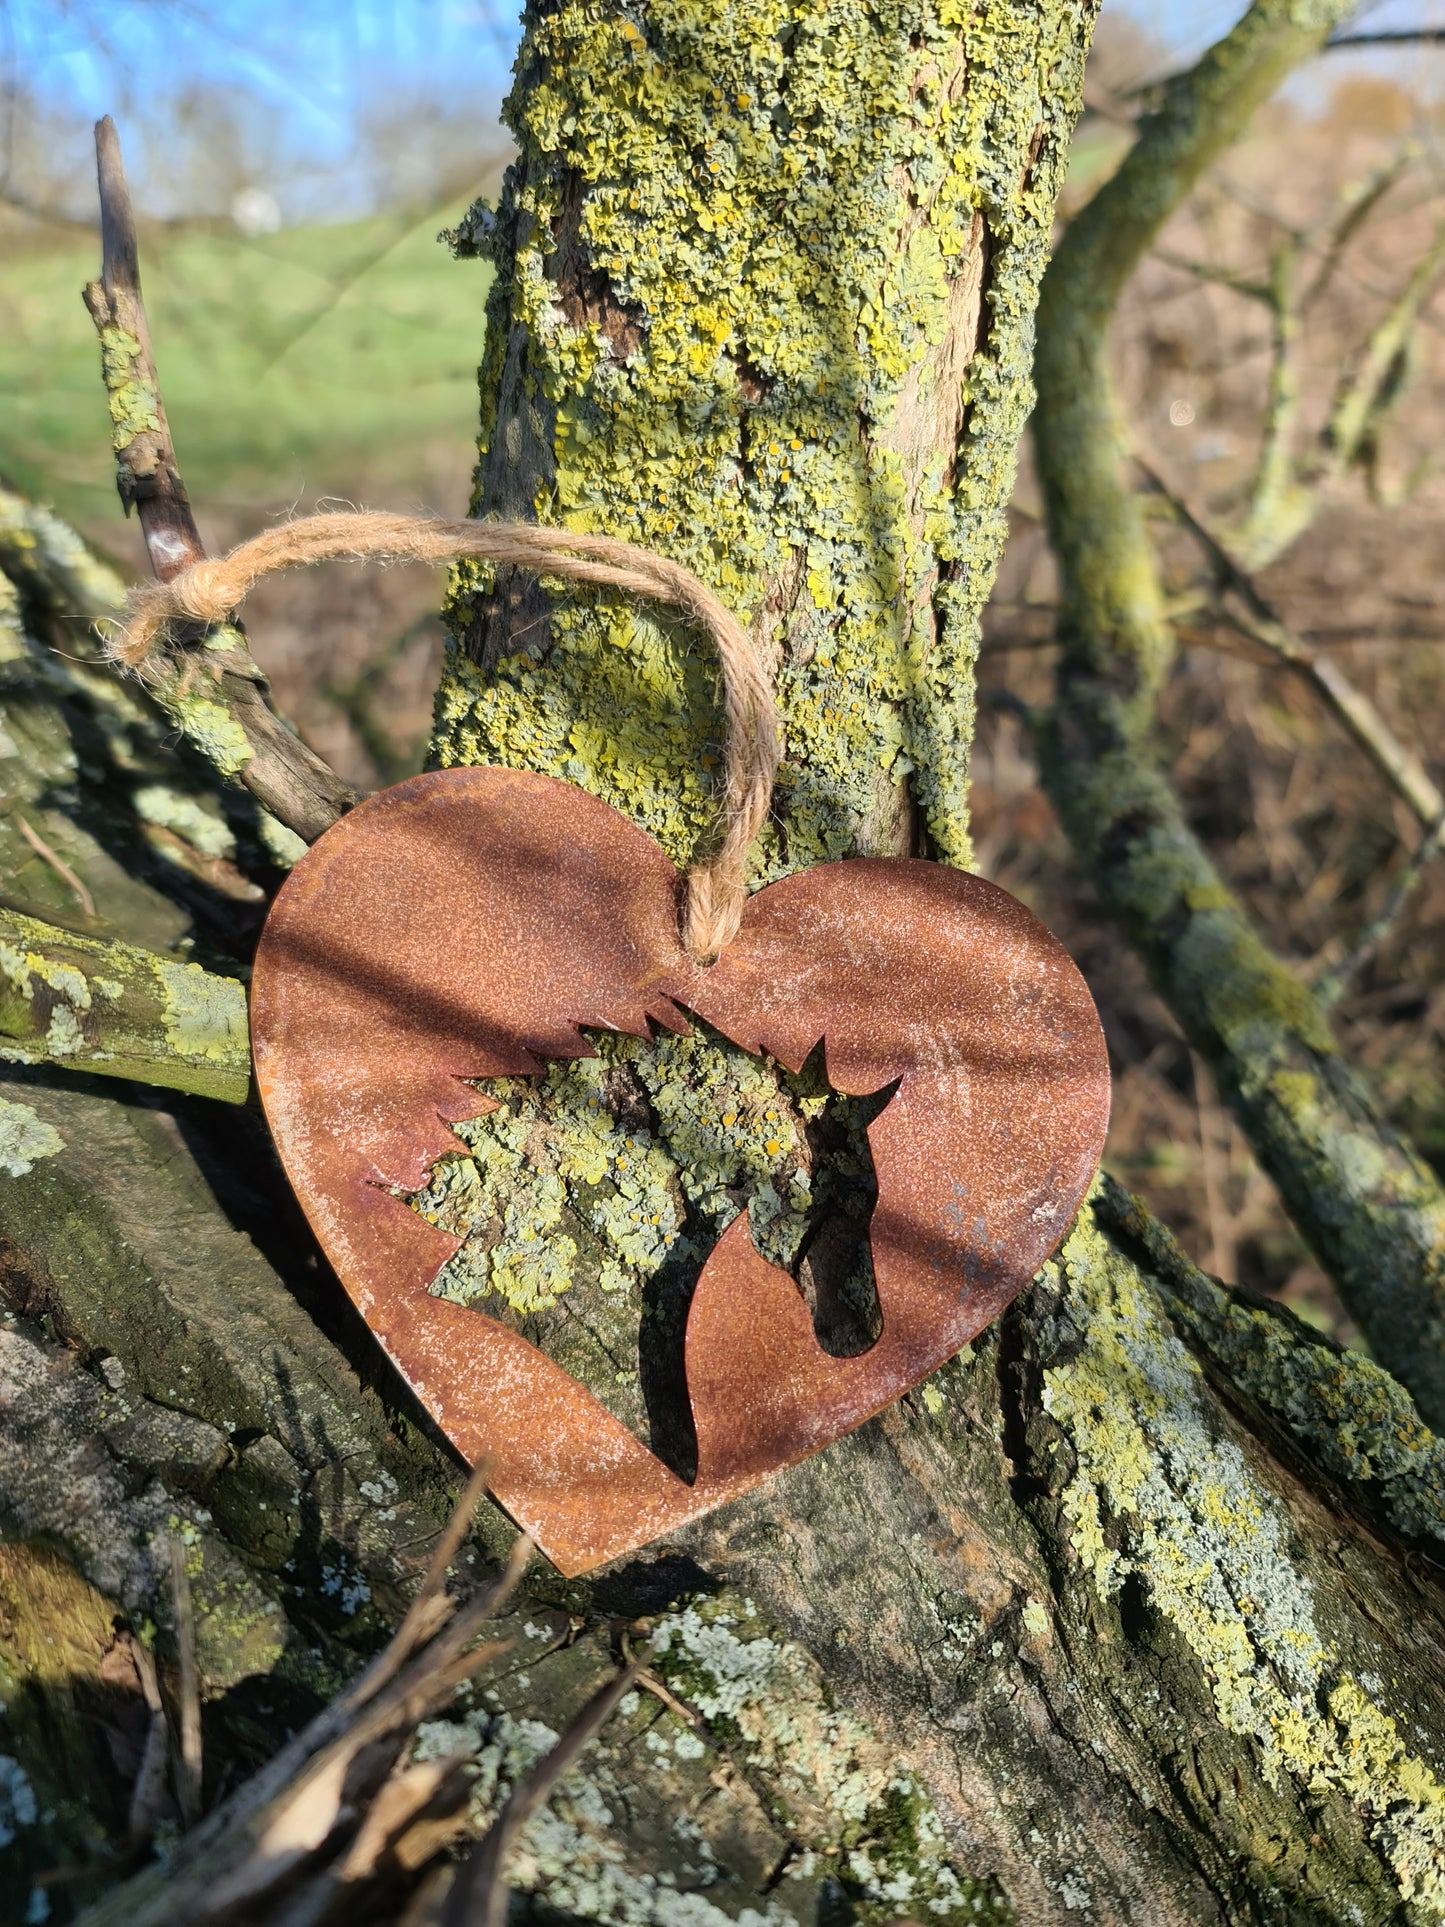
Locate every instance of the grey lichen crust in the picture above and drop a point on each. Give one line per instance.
(751, 1798)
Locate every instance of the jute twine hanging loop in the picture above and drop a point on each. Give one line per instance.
(716, 888)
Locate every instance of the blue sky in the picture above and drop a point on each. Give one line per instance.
(316, 61)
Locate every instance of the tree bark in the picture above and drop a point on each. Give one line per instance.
(1129, 1612)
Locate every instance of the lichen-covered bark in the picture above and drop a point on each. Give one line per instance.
(117, 1011)
(765, 280)
(1369, 1205)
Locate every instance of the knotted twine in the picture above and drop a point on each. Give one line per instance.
(717, 887)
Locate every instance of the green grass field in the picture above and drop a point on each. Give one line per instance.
(327, 360)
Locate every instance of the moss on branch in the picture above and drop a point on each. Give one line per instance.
(1111, 615)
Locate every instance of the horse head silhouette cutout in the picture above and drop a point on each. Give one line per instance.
(472, 924)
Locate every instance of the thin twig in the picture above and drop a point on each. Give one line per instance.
(253, 748)
(146, 474)
(478, 1897)
(1363, 395)
(233, 1860)
(1221, 1231)
(1330, 987)
(428, 1603)
(189, 1691)
(149, 1792)
(1275, 480)
(650, 1683)
(301, 1814)
(1400, 767)
(1400, 37)
(57, 863)
(1354, 205)
(1255, 617)
(1217, 277)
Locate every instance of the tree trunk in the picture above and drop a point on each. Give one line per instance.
(1128, 1613)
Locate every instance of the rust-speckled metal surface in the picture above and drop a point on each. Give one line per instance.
(470, 923)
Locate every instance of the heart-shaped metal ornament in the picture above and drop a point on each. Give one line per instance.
(470, 924)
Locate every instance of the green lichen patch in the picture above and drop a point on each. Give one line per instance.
(14, 644)
(212, 728)
(1161, 1495)
(589, 1200)
(133, 402)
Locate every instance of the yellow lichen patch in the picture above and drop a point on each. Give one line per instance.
(134, 406)
(213, 730)
(204, 1015)
(1162, 1495)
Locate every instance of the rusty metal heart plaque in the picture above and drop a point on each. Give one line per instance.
(471, 924)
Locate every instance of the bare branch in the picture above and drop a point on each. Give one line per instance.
(1217, 277)
(1354, 205)
(1361, 393)
(1400, 37)
(1222, 1256)
(149, 1792)
(188, 1686)
(57, 863)
(146, 474)
(1333, 984)
(1253, 616)
(213, 689)
(1275, 481)
(1400, 767)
